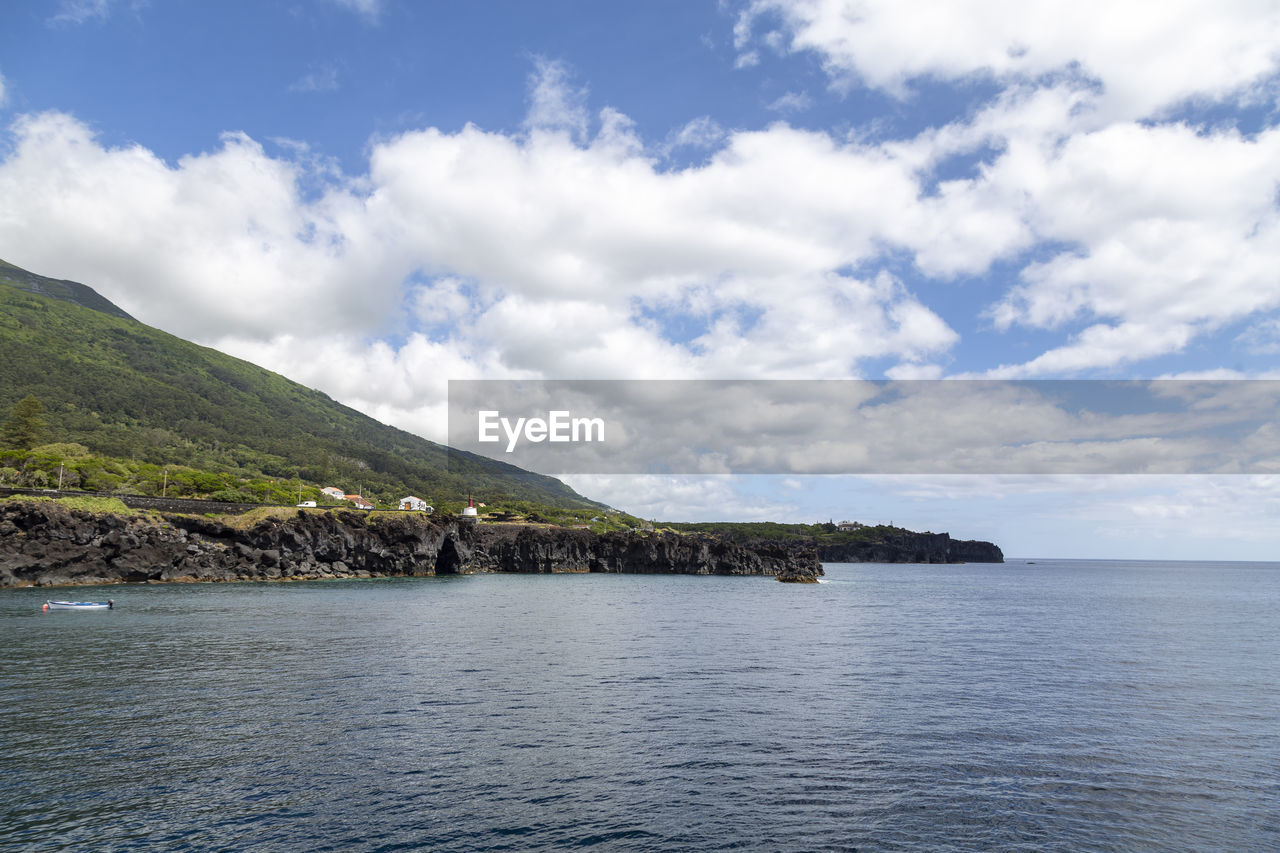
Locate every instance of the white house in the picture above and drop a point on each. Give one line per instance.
(846, 526)
(335, 493)
(415, 504)
(358, 502)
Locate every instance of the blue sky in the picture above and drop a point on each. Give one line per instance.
(753, 189)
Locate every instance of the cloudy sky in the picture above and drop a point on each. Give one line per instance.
(375, 196)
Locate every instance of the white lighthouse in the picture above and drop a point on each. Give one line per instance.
(469, 511)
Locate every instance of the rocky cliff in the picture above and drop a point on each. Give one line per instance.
(515, 548)
(43, 543)
(911, 548)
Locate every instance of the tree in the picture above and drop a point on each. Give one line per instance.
(25, 425)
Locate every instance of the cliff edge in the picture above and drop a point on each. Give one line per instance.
(44, 543)
(909, 547)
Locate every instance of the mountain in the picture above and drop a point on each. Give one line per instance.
(68, 291)
(126, 390)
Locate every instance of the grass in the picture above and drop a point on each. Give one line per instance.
(87, 504)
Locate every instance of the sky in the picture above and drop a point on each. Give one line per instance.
(373, 197)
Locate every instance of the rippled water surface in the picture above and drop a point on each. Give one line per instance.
(1056, 706)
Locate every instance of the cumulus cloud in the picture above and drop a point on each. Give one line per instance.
(574, 248)
(530, 254)
(1168, 232)
(1144, 58)
(1146, 231)
(221, 241)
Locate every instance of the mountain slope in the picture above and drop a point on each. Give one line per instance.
(68, 291)
(125, 389)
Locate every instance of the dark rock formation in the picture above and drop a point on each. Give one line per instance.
(43, 543)
(788, 576)
(975, 551)
(911, 548)
(517, 548)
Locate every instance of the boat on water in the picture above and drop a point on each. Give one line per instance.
(79, 605)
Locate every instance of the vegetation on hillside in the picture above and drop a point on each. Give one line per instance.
(823, 534)
(25, 425)
(141, 401)
(72, 467)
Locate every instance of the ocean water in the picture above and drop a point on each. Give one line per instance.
(1067, 705)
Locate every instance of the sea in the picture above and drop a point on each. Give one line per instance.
(1030, 706)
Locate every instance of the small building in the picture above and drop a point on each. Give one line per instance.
(415, 504)
(358, 502)
(846, 526)
(333, 492)
(469, 511)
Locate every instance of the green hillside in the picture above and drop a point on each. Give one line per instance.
(126, 390)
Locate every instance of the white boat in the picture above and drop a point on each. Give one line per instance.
(79, 605)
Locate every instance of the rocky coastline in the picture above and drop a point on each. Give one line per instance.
(911, 548)
(44, 543)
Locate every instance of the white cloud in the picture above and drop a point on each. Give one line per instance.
(1157, 231)
(1110, 517)
(4, 95)
(791, 102)
(317, 80)
(554, 104)
(1170, 233)
(530, 254)
(1145, 57)
(702, 132)
(222, 242)
(1241, 510)
(370, 10)
(571, 249)
(1101, 346)
(1263, 337)
(80, 11)
(680, 498)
